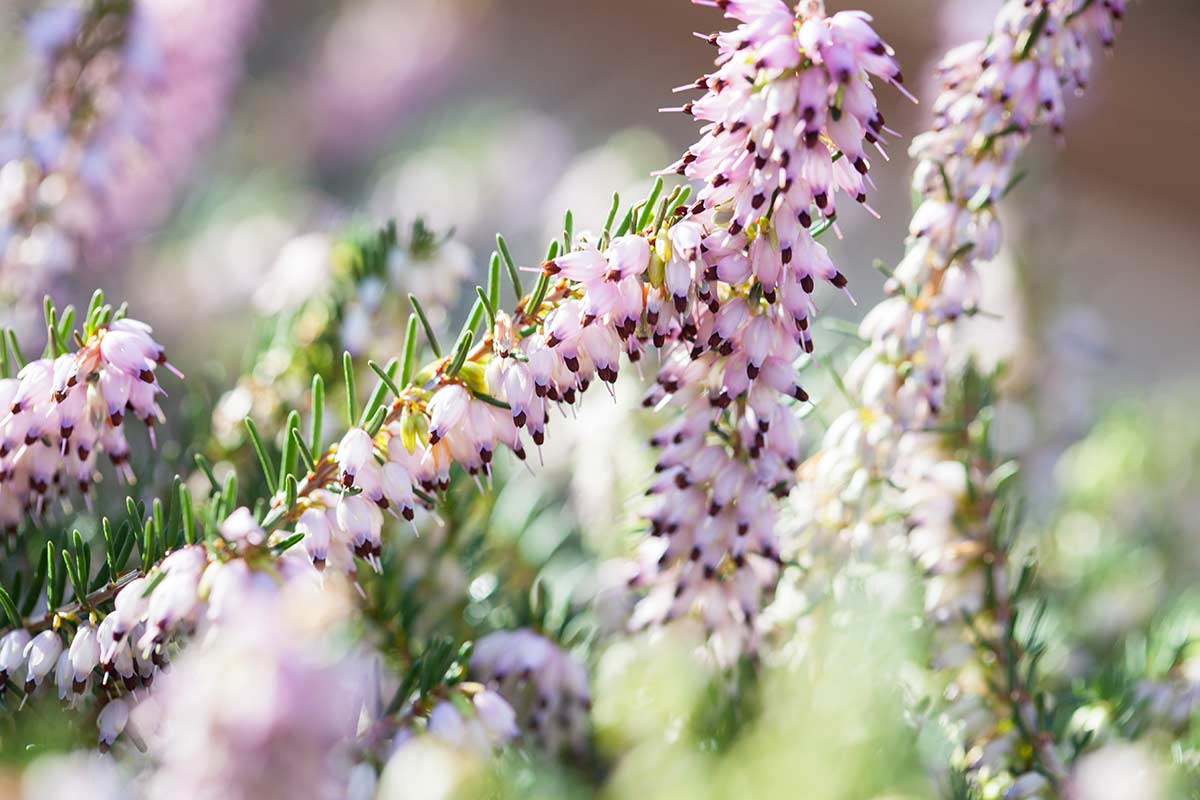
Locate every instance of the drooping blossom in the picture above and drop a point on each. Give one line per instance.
(267, 706)
(995, 93)
(789, 113)
(59, 414)
(267, 699)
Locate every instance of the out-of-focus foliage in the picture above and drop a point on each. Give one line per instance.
(1119, 562)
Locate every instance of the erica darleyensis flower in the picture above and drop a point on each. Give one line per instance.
(789, 113)
(194, 589)
(464, 407)
(994, 94)
(59, 413)
(121, 97)
(546, 684)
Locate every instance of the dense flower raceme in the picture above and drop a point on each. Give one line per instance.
(790, 112)
(500, 393)
(789, 115)
(121, 96)
(994, 94)
(59, 414)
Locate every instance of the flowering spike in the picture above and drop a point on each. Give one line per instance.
(882, 459)
(789, 109)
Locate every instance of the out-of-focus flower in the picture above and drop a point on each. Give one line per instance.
(1119, 772)
(267, 707)
(78, 774)
(994, 93)
(546, 684)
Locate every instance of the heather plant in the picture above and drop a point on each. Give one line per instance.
(315, 590)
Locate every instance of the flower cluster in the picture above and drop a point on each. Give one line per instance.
(789, 112)
(545, 684)
(266, 670)
(464, 413)
(92, 146)
(59, 413)
(192, 590)
(994, 93)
